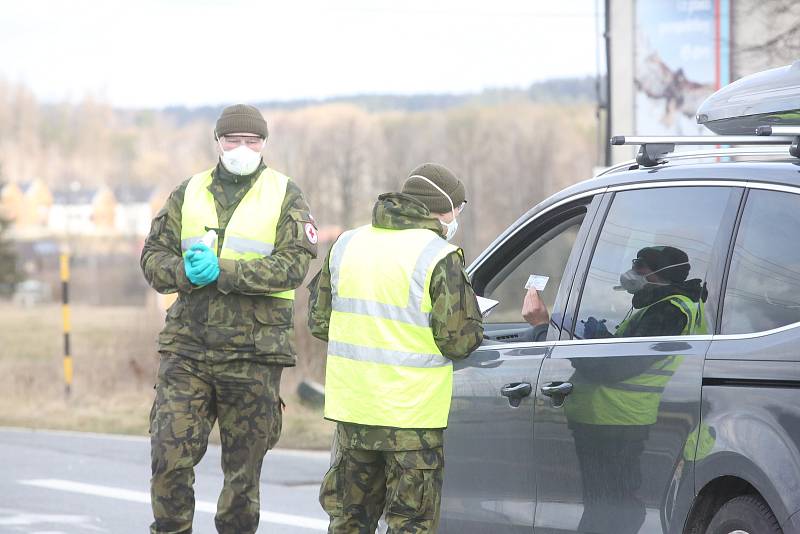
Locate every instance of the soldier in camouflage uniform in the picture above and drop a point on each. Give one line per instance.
(394, 470)
(226, 340)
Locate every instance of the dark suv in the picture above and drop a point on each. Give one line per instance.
(663, 395)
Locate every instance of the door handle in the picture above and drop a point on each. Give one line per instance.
(557, 389)
(516, 392)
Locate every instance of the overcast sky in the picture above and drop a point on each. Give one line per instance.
(148, 53)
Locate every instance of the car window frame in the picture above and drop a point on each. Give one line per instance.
(591, 200)
(717, 268)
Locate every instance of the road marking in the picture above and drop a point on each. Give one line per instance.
(144, 439)
(143, 497)
(18, 518)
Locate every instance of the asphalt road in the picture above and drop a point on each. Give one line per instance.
(67, 483)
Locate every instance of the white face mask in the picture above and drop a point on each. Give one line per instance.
(241, 160)
(632, 282)
(451, 226)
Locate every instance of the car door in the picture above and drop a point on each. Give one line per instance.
(489, 478)
(619, 395)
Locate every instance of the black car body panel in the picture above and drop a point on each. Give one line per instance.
(728, 417)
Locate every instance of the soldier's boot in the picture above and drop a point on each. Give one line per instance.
(180, 422)
(353, 491)
(248, 405)
(414, 488)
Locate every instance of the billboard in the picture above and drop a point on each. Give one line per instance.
(682, 55)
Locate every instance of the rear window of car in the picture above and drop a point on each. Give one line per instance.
(763, 289)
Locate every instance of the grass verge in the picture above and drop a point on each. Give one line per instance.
(115, 362)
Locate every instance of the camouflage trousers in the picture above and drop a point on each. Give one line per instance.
(362, 484)
(191, 395)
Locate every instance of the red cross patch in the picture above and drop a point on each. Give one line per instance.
(311, 233)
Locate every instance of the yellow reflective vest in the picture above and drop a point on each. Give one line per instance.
(251, 232)
(384, 367)
(635, 400)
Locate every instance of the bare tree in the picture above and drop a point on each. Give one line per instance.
(766, 34)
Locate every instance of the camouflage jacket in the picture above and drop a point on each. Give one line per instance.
(455, 320)
(232, 318)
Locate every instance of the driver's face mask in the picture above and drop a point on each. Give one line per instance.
(633, 282)
(451, 227)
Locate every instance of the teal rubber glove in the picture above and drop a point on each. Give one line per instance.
(201, 265)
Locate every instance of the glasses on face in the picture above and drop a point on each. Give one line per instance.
(639, 264)
(461, 207)
(250, 141)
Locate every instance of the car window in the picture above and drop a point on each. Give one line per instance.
(763, 290)
(648, 272)
(545, 255)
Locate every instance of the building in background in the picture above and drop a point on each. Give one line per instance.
(103, 228)
(36, 211)
(135, 208)
(667, 56)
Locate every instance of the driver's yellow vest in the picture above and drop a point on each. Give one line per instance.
(384, 367)
(635, 400)
(694, 312)
(250, 233)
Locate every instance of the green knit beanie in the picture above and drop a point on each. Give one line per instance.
(241, 118)
(430, 196)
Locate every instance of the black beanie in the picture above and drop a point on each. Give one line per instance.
(664, 256)
(423, 191)
(241, 118)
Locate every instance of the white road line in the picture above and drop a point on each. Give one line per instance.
(144, 439)
(143, 497)
(24, 519)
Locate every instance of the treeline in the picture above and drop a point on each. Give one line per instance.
(510, 156)
(559, 90)
(511, 153)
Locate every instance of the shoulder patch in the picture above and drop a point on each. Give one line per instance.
(311, 233)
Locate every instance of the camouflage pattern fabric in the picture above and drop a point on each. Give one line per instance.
(362, 484)
(380, 438)
(232, 318)
(243, 397)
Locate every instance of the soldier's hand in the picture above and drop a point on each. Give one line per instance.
(201, 265)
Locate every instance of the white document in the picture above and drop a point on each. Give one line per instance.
(486, 305)
(537, 281)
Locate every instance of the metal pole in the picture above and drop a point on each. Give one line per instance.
(607, 36)
(65, 313)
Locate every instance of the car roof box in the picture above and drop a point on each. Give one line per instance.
(768, 98)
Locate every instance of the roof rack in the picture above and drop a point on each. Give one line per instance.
(653, 149)
(779, 131)
(769, 150)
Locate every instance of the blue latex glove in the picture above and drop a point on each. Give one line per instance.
(201, 265)
(595, 329)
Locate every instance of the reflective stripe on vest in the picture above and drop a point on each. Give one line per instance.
(384, 367)
(251, 231)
